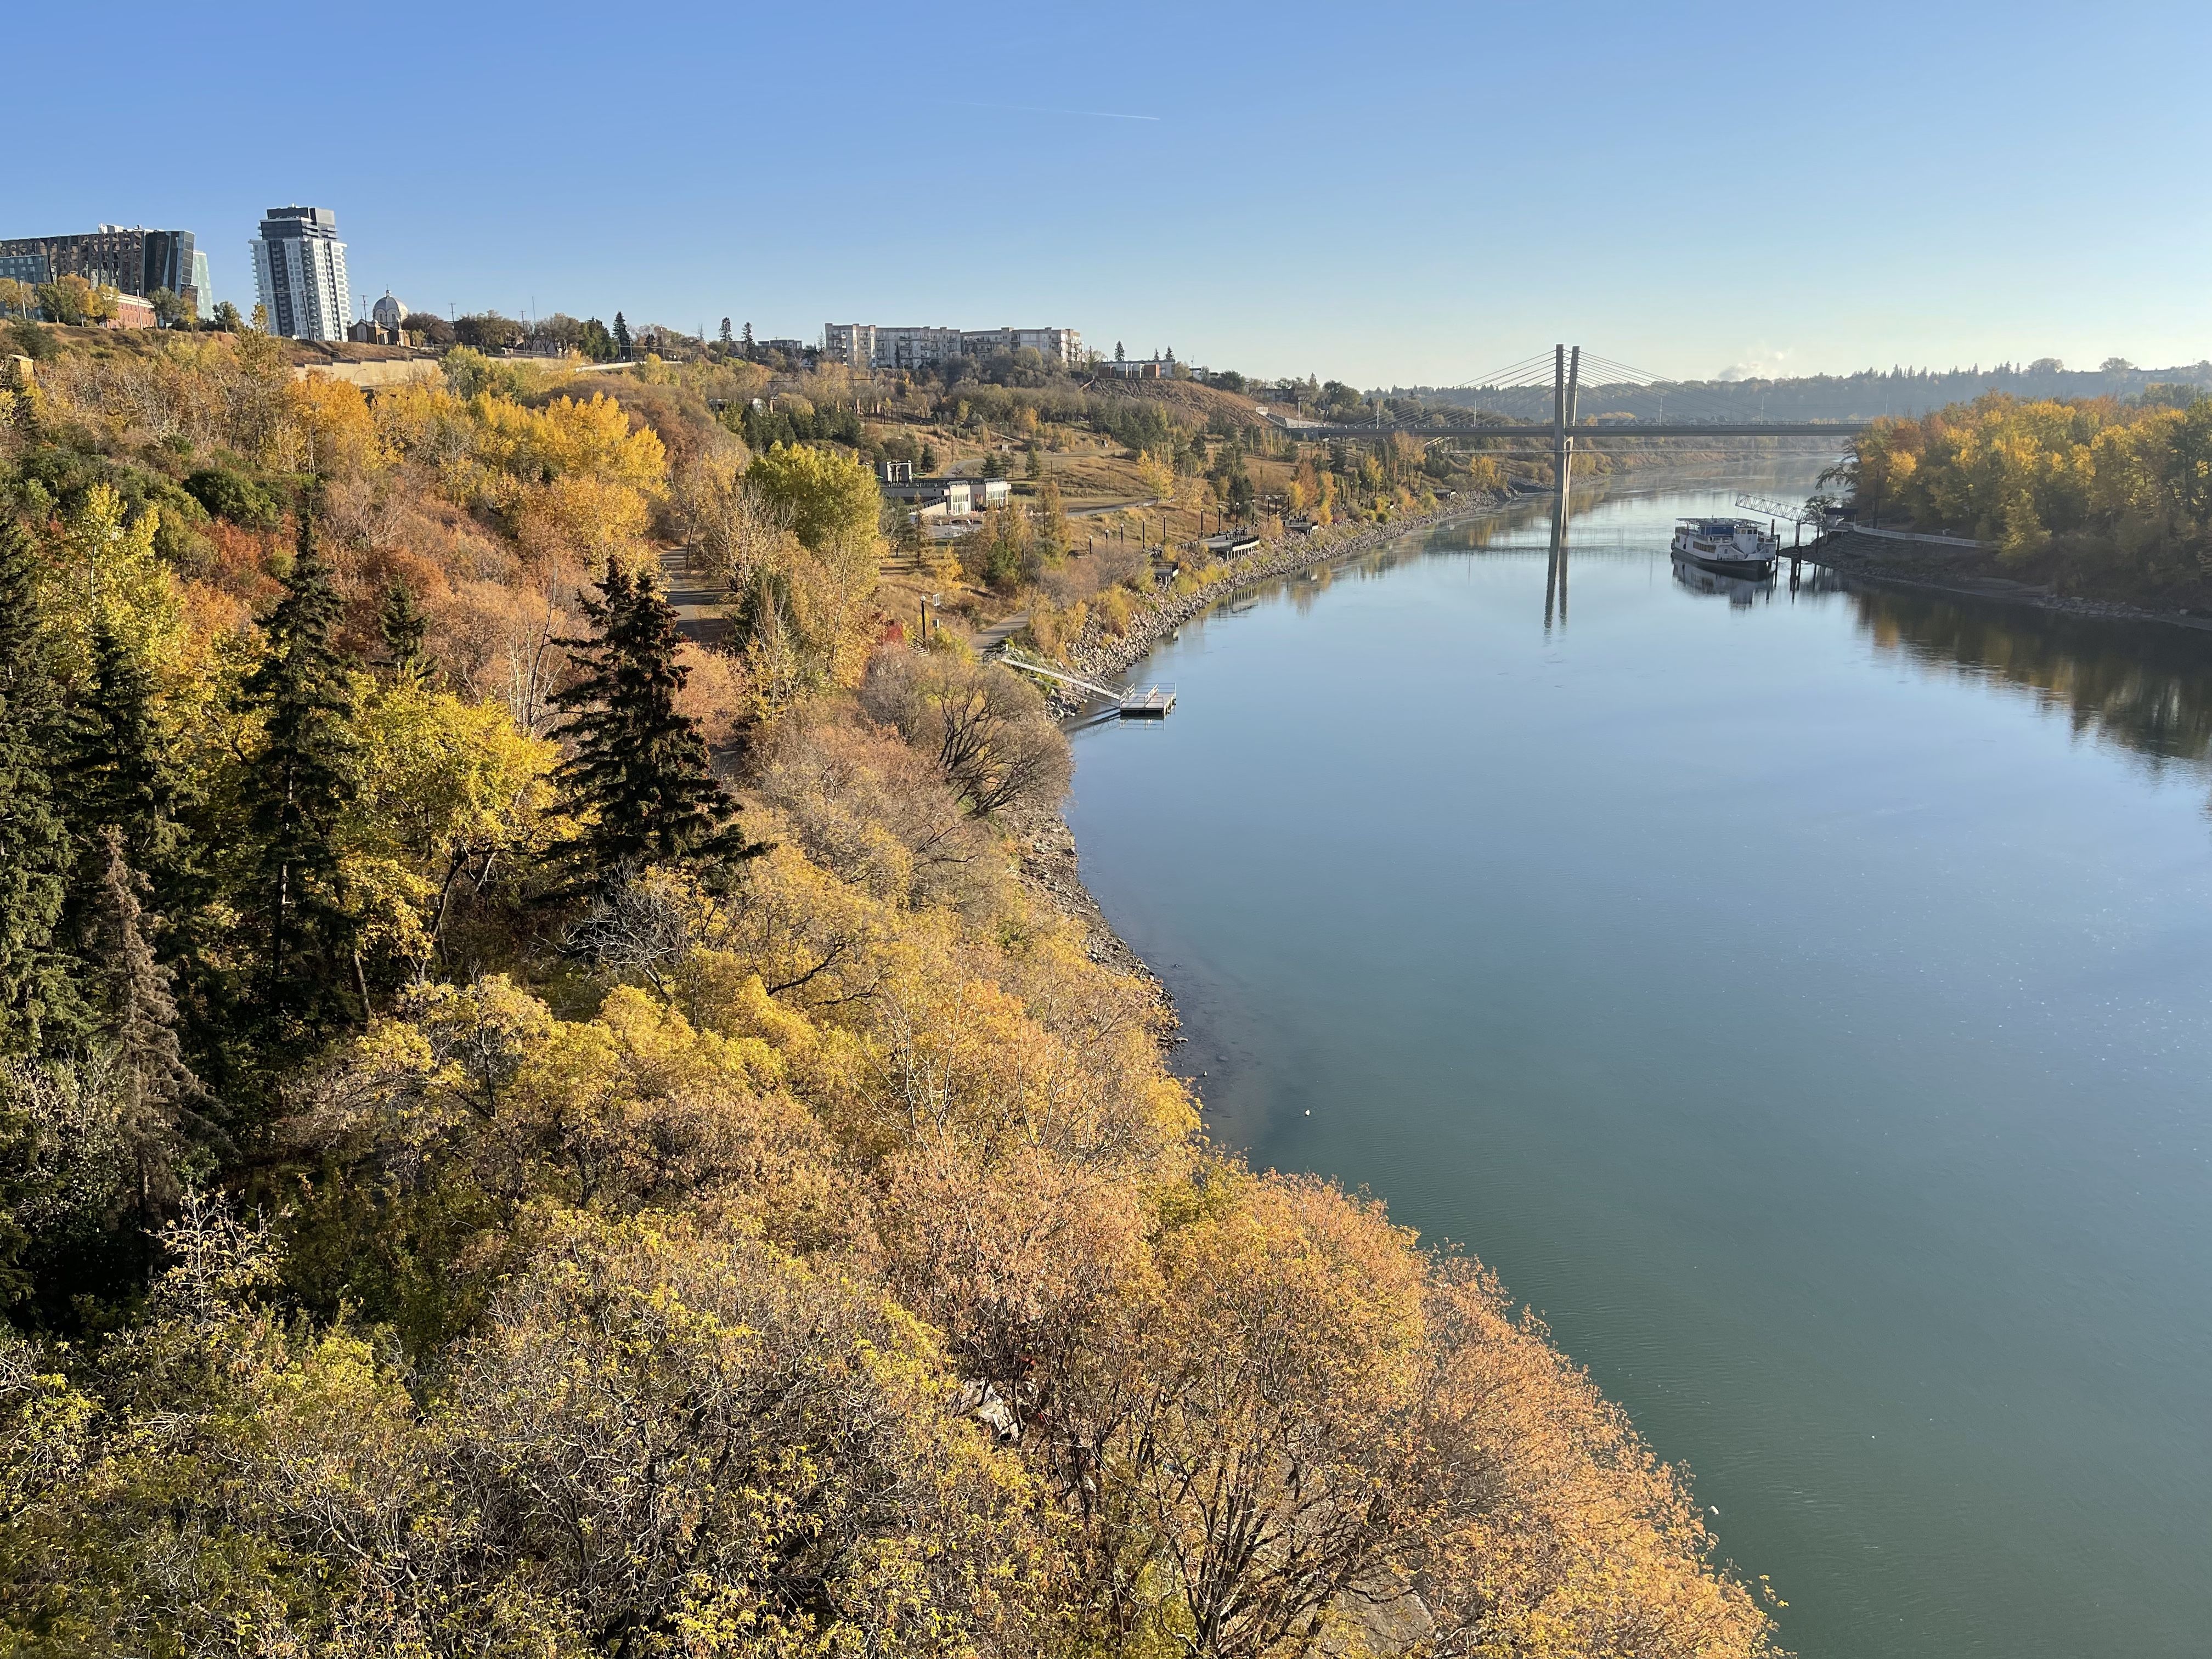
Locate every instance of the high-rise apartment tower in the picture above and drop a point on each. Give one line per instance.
(299, 274)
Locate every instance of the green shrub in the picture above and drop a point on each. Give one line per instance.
(233, 497)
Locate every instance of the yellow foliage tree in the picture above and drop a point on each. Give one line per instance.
(102, 570)
(328, 428)
(448, 790)
(590, 439)
(828, 500)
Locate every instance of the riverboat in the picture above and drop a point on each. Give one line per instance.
(1727, 547)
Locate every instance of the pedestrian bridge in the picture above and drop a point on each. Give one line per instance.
(1517, 384)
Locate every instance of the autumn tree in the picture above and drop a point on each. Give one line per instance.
(71, 299)
(488, 330)
(452, 798)
(802, 591)
(429, 326)
(984, 725)
(827, 499)
(1053, 535)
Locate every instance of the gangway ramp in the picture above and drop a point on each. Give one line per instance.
(1151, 703)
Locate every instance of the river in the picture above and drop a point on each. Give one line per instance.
(1800, 999)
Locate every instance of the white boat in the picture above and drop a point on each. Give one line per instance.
(1727, 547)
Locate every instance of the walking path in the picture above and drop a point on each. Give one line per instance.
(695, 598)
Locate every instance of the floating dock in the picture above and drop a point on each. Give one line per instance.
(1151, 703)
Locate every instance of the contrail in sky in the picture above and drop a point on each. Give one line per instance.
(1032, 109)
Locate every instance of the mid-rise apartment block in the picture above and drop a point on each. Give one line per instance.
(877, 345)
(1063, 346)
(299, 274)
(128, 258)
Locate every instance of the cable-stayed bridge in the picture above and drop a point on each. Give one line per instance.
(1510, 401)
(1537, 402)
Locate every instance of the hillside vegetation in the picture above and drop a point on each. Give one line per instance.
(2100, 498)
(523, 1136)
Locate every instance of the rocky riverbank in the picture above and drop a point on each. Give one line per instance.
(1968, 574)
(1100, 655)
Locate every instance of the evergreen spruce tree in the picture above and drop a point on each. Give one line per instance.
(402, 623)
(156, 1092)
(41, 1007)
(622, 336)
(124, 774)
(298, 785)
(637, 775)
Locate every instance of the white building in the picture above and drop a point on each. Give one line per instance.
(388, 313)
(299, 274)
(1056, 345)
(852, 344)
(877, 345)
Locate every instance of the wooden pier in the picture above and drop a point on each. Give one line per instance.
(1151, 704)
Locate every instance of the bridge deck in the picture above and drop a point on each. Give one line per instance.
(1519, 432)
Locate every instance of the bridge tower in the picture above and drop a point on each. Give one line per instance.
(1566, 384)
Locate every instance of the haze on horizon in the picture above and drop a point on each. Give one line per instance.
(1410, 194)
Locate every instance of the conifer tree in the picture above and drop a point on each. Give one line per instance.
(125, 772)
(156, 1092)
(637, 775)
(299, 784)
(622, 336)
(40, 1005)
(403, 625)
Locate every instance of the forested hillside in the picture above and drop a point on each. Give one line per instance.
(2100, 498)
(1867, 395)
(523, 1135)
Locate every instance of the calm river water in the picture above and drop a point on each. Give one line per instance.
(1804, 1000)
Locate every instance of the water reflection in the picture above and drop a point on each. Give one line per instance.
(1741, 591)
(2148, 686)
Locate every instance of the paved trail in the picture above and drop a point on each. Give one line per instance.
(695, 596)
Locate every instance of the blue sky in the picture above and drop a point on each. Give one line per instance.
(1388, 193)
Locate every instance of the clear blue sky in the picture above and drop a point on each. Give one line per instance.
(1383, 193)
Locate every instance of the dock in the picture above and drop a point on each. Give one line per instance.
(1151, 703)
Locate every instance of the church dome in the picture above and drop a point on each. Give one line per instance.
(388, 313)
